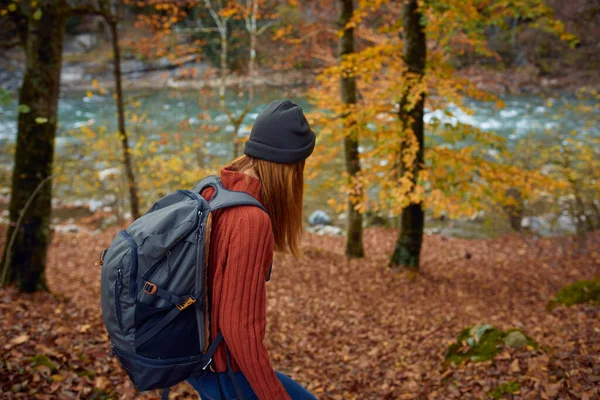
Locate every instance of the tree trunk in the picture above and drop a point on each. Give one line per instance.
(223, 36)
(252, 62)
(354, 234)
(222, 88)
(24, 258)
(133, 196)
(408, 246)
(237, 122)
(514, 209)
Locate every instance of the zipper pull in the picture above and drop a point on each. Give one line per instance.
(199, 231)
(168, 262)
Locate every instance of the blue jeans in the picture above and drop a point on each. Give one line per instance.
(208, 389)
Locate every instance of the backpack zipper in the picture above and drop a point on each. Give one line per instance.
(168, 262)
(118, 295)
(155, 266)
(199, 231)
(199, 267)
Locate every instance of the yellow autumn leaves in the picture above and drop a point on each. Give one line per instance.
(460, 176)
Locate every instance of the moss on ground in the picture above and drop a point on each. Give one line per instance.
(42, 359)
(505, 389)
(578, 293)
(101, 394)
(480, 343)
(86, 373)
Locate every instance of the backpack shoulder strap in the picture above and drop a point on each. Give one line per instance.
(210, 180)
(224, 198)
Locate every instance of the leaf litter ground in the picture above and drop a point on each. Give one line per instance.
(344, 329)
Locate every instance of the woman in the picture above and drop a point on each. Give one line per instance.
(242, 241)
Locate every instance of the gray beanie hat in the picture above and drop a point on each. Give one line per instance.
(281, 134)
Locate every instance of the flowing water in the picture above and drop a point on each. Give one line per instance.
(168, 108)
(172, 111)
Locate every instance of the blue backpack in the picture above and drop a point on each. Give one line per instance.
(153, 288)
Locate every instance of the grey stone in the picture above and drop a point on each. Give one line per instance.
(68, 228)
(564, 223)
(537, 225)
(515, 340)
(326, 230)
(319, 218)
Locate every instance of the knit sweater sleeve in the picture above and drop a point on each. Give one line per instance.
(242, 310)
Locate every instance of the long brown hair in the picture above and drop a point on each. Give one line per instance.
(281, 191)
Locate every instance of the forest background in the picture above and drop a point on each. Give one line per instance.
(454, 184)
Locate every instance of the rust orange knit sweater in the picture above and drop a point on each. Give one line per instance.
(241, 252)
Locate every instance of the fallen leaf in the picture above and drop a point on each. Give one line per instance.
(514, 366)
(101, 382)
(553, 389)
(20, 339)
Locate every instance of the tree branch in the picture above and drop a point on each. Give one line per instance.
(11, 241)
(214, 14)
(264, 28)
(313, 33)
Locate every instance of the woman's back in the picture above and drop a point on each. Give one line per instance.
(240, 256)
(241, 241)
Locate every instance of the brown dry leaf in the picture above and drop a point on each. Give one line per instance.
(20, 339)
(514, 366)
(54, 387)
(531, 395)
(101, 382)
(327, 313)
(553, 389)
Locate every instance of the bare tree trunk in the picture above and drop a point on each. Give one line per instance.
(24, 262)
(408, 246)
(252, 31)
(237, 123)
(222, 89)
(224, 69)
(221, 22)
(354, 234)
(127, 163)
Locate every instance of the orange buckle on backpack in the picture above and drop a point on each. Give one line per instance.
(187, 303)
(150, 288)
(100, 262)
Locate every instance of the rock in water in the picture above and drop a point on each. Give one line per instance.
(326, 230)
(319, 218)
(536, 225)
(515, 340)
(331, 231)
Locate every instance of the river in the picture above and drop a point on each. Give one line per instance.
(172, 111)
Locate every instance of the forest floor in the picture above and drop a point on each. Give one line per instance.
(345, 330)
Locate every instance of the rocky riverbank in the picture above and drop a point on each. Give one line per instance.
(528, 81)
(89, 73)
(93, 70)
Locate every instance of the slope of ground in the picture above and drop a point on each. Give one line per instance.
(346, 330)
